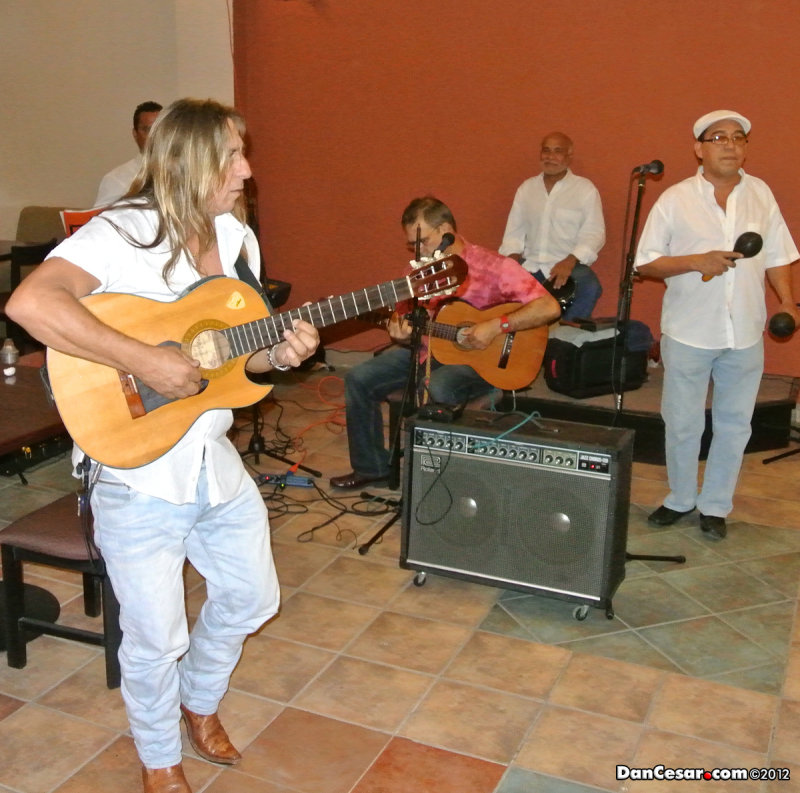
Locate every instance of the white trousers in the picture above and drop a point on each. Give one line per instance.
(144, 542)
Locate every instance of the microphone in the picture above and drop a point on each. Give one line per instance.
(447, 240)
(654, 167)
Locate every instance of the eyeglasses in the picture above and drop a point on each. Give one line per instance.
(737, 139)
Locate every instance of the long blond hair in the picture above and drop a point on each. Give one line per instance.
(185, 161)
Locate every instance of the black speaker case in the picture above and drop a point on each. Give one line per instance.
(527, 525)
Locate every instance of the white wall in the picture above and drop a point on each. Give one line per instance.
(71, 74)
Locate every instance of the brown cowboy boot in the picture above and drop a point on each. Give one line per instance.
(165, 780)
(209, 739)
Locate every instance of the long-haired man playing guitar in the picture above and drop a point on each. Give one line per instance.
(182, 220)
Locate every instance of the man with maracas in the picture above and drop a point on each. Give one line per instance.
(714, 312)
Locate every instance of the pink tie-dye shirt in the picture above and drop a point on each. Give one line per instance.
(492, 279)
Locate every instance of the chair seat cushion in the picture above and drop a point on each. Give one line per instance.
(54, 529)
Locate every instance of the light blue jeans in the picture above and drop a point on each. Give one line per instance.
(144, 542)
(736, 375)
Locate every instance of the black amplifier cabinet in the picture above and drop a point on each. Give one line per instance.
(536, 506)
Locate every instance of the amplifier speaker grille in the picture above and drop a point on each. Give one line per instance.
(525, 523)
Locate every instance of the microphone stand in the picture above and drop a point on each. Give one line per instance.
(626, 296)
(408, 404)
(623, 317)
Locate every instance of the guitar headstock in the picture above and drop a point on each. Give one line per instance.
(438, 277)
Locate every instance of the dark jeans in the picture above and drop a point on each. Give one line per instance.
(587, 291)
(366, 387)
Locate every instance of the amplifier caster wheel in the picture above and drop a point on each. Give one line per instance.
(609, 613)
(419, 579)
(581, 612)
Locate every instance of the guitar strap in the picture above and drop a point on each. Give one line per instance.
(244, 273)
(89, 477)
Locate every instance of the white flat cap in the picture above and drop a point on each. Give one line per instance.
(704, 122)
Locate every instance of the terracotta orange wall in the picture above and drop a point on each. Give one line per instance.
(356, 106)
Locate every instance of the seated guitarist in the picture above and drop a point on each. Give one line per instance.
(182, 220)
(492, 280)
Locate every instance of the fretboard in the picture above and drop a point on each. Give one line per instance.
(441, 330)
(252, 336)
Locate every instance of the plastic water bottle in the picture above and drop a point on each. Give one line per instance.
(9, 355)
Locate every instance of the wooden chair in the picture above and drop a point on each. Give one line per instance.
(73, 219)
(22, 256)
(38, 223)
(53, 536)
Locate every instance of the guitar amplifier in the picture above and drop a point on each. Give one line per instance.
(540, 507)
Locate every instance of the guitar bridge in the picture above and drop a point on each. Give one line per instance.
(133, 398)
(505, 354)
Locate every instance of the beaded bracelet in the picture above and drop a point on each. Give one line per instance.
(274, 363)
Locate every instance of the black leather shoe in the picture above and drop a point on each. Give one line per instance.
(352, 481)
(664, 516)
(713, 527)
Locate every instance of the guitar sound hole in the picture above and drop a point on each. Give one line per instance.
(459, 340)
(211, 348)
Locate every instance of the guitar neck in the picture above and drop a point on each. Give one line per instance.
(253, 336)
(441, 330)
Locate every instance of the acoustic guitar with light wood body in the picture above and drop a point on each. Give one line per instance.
(120, 422)
(510, 362)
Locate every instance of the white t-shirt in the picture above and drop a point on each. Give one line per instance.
(117, 182)
(729, 311)
(99, 249)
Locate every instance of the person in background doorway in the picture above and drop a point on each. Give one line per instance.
(118, 181)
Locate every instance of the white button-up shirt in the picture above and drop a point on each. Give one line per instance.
(729, 311)
(102, 251)
(547, 227)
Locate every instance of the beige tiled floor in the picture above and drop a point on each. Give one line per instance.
(366, 683)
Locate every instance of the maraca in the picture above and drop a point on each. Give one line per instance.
(748, 244)
(781, 324)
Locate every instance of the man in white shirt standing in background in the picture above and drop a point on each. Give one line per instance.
(116, 183)
(555, 228)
